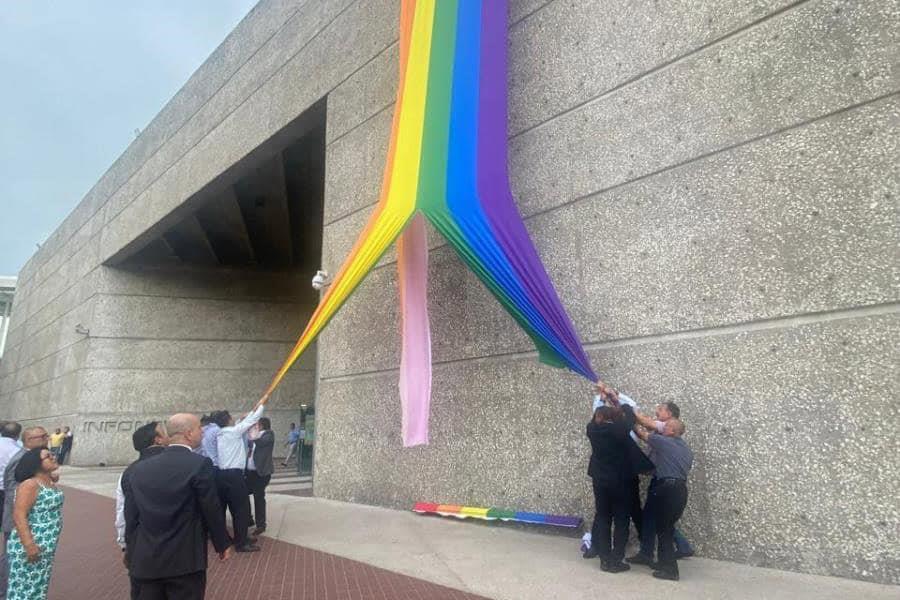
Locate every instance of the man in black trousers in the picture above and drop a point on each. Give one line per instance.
(232, 483)
(149, 440)
(259, 471)
(668, 491)
(611, 472)
(171, 509)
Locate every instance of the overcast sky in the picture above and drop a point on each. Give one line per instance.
(77, 78)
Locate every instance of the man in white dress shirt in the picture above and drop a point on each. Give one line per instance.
(232, 456)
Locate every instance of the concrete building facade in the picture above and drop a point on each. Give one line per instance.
(712, 186)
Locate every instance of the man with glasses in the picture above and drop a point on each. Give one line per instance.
(32, 437)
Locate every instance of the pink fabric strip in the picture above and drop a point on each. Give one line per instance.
(415, 359)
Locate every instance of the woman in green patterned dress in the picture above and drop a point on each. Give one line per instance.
(38, 519)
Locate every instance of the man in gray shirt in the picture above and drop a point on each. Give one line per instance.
(33, 437)
(668, 493)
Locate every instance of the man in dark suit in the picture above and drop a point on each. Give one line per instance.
(611, 472)
(259, 471)
(171, 509)
(149, 440)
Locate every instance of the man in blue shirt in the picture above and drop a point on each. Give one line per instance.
(292, 442)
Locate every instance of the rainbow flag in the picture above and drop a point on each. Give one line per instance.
(491, 514)
(447, 160)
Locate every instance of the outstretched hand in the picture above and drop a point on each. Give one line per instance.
(263, 400)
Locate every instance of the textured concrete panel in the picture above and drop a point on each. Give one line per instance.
(780, 410)
(798, 223)
(193, 318)
(176, 354)
(67, 359)
(50, 397)
(808, 62)
(521, 9)
(58, 334)
(568, 53)
(367, 92)
(356, 166)
(801, 222)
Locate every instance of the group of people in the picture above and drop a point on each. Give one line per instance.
(174, 498)
(61, 444)
(616, 463)
(30, 511)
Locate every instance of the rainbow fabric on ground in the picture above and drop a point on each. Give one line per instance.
(491, 514)
(447, 160)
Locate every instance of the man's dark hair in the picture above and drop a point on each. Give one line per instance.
(265, 424)
(220, 418)
(143, 436)
(11, 429)
(204, 420)
(673, 408)
(29, 464)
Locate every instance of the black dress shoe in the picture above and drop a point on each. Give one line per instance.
(615, 566)
(640, 559)
(247, 548)
(680, 555)
(590, 553)
(669, 575)
(258, 531)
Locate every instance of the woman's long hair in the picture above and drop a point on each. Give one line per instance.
(29, 464)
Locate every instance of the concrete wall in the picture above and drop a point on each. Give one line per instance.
(712, 186)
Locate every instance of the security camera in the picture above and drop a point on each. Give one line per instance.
(320, 280)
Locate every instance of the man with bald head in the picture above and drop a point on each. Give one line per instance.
(667, 496)
(171, 510)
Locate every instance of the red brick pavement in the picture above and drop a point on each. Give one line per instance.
(89, 567)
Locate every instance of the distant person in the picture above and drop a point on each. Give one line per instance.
(56, 441)
(9, 436)
(38, 522)
(66, 449)
(232, 450)
(673, 460)
(171, 510)
(32, 437)
(149, 440)
(259, 471)
(610, 473)
(293, 442)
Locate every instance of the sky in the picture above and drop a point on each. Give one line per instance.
(77, 79)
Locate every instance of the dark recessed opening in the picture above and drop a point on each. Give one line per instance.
(264, 212)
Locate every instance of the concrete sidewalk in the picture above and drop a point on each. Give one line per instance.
(503, 563)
